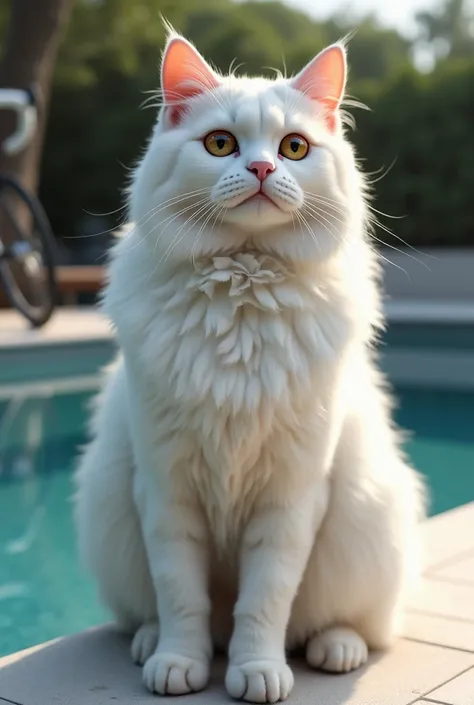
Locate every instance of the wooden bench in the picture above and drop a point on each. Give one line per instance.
(76, 280)
(73, 281)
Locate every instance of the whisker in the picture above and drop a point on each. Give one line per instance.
(372, 235)
(168, 203)
(141, 221)
(397, 249)
(205, 85)
(317, 214)
(374, 222)
(300, 222)
(157, 225)
(389, 261)
(326, 199)
(311, 231)
(293, 220)
(174, 217)
(321, 213)
(102, 215)
(386, 215)
(215, 212)
(86, 236)
(319, 201)
(199, 212)
(333, 204)
(382, 176)
(171, 244)
(234, 68)
(177, 239)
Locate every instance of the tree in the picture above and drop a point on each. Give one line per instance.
(29, 56)
(450, 30)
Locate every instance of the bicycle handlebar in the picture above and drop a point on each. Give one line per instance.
(23, 102)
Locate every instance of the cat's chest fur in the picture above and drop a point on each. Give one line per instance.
(229, 351)
(238, 333)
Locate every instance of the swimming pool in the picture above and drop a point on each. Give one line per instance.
(44, 594)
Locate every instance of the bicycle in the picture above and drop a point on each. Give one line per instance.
(27, 244)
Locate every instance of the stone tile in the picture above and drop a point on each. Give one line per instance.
(445, 598)
(432, 629)
(459, 691)
(94, 668)
(449, 536)
(461, 571)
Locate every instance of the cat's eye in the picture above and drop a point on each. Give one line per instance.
(294, 147)
(220, 143)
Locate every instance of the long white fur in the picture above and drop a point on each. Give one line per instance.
(244, 481)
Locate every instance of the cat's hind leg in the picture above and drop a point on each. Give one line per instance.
(145, 641)
(365, 558)
(337, 650)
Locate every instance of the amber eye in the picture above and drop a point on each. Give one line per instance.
(220, 143)
(294, 147)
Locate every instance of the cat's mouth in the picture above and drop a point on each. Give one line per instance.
(260, 197)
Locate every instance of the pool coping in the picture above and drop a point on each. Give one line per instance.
(74, 343)
(78, 340)
(432, 663)
(88, 324)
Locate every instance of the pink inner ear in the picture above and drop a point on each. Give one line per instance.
(324, 78)
(184, 73)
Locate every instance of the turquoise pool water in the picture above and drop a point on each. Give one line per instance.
(43, 593)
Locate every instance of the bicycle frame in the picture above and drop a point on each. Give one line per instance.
(23, 103)
(22, 250)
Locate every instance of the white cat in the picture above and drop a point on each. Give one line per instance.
(245, 481)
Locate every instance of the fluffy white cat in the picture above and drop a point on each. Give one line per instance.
(244, 487)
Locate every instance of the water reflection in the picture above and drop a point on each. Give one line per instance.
(43, 592)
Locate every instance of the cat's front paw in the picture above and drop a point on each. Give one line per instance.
(173, 674)
(337, 650)
(260, 681)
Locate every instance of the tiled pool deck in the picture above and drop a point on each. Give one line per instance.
(432, 663)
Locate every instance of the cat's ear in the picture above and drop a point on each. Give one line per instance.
(184, 73)
(324, 80)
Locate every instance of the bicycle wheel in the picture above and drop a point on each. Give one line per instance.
(26, 253)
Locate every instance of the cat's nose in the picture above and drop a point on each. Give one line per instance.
(261, 169)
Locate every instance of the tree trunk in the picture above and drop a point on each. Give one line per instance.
(30, 52)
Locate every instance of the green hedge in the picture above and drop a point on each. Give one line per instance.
(422, 126)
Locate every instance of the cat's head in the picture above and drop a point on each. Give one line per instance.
(247, 163)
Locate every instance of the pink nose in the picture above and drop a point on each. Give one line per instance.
(261, 169)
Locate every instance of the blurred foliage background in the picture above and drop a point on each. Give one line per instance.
(417, 141)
